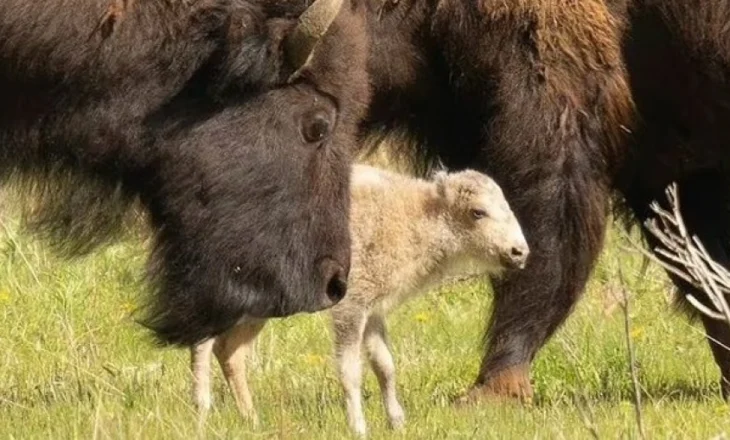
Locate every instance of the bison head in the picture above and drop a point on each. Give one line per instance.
(250, 193)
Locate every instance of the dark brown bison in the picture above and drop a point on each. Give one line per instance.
(231, 122)
(566, 103)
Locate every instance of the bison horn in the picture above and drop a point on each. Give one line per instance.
(312, 25)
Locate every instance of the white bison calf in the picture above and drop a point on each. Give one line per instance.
(408, 235)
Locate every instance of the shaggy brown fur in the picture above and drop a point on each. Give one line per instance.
(545, 95)
(678, 55)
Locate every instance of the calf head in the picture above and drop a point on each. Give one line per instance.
(482, 219)
(252, 199)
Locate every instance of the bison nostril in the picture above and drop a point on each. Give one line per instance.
(334, 276)
(517, 252)
(337, 286)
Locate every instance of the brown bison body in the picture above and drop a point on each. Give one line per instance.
(566, 103)
(213, 115)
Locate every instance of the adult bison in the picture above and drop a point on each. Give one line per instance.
(566, 103)
(231, 122)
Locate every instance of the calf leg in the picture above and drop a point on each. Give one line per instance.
(349, 326)
(200, 356)
(231, 349)
(382, 363)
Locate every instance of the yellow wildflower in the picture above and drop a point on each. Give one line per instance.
(635, 333)
(314, 359)
(423, 317)
(129, 307)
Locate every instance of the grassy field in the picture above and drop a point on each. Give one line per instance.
(75, 365)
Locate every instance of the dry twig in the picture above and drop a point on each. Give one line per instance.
(686, 257)
(632, 355)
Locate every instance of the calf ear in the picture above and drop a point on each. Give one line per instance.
(301, 43)
(437, 167)
(442, 188)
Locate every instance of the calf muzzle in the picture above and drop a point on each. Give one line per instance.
(516, 257)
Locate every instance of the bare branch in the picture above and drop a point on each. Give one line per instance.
(632, 356)
(702, 308)
(687, 258)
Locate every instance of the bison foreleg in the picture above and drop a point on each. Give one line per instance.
(564, 220)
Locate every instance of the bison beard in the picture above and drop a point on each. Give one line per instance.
(537, 93)
(239, 156)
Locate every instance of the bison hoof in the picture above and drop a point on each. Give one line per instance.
(511, 384)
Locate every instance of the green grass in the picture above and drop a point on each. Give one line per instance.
(73, 363)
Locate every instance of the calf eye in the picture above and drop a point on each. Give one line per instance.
(315, 126)
(478, 213)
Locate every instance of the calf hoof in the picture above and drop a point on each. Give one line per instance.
(251, 418)
(359, 428)
(510, 384)
(202, 418)
(397, 419)
(203, 404)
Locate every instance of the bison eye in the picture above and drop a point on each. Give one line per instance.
(315, 126)
(478, 213)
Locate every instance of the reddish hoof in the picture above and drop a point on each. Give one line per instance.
(510, 384)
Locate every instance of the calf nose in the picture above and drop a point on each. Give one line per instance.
(517, 252)
(518, 255)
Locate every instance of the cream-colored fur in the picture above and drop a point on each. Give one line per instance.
(408, 235)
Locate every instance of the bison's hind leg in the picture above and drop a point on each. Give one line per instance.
(705, 208)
